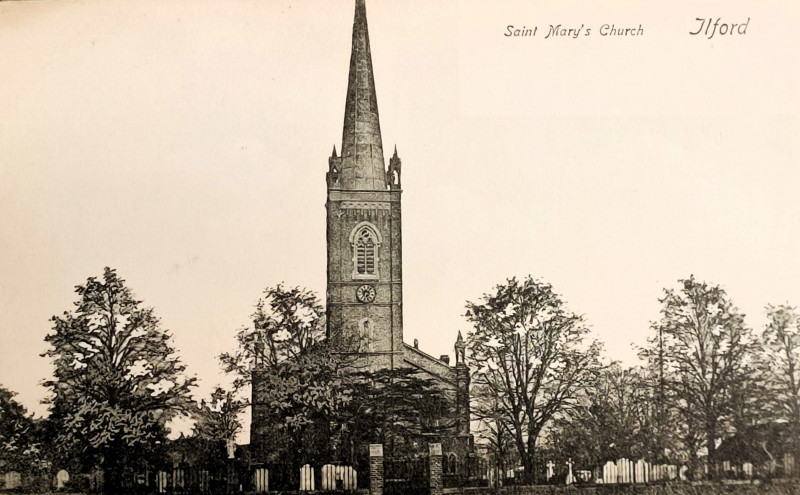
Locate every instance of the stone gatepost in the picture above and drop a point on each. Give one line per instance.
(435, 468)
(376, 469)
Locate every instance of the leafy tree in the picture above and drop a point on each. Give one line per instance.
(286, 324)
(293, 403)
(491, 429)
(531, 357)
(702, 347)
(218, 419)
(394, 407)
(310, 397)
(779, 368)
(293, 374)
(20, 447)
(216, 424)
(615, 419)
(118, 379)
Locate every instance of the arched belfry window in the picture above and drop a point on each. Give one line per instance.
(365, 244)
(365, 240)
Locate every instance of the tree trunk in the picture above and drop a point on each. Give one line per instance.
(112, 472)
(795, 450)
(500, 460)
(711, 445)
(530, 464)
(522, 451)
(529, 476)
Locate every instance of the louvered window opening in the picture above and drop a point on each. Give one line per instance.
(365, 253)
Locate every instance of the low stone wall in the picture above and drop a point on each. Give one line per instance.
(776, 488)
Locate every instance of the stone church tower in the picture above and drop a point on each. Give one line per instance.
(365, 272)
(365, 276)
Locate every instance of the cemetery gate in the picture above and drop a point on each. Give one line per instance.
(406, 476)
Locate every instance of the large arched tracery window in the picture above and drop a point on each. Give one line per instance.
(365, 241)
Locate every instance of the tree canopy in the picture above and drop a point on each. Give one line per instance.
(614, 420)
(701, 349)
(778, 370)
(311, 398)
(293, 375)
(117, 378)
(287, 322)
(396, 408)
(19, 440)
(218, 418)
(531, 358)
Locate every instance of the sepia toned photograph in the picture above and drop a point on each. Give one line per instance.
(561, 259)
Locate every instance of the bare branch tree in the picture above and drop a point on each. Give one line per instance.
(615, 420)
(779, 367)
(702, 345)
(531, 357)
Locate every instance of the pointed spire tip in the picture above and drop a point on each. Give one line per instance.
(362, 149)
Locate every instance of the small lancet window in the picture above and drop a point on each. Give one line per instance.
(365, 329)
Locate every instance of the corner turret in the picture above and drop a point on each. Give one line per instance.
(461, 350)
(462, 387)
(393, 174)
(334, 165)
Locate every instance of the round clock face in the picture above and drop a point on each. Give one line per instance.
(365, 293)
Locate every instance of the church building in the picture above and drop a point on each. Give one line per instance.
(364, 242)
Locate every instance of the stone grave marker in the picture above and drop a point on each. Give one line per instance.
(62, 478)
(307, 478)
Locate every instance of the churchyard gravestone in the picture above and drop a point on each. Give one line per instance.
(261, 480)
(62, 478)
(610, 472)
(307, 478)
(13, 480)
(641, 471)
(339, 477)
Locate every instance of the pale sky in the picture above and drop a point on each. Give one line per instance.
(185, 144)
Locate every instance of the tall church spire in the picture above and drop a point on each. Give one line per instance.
(362, 165)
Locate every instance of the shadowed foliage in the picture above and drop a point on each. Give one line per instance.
(20, 446)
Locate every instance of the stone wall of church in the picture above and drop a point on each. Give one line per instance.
(453, 381)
